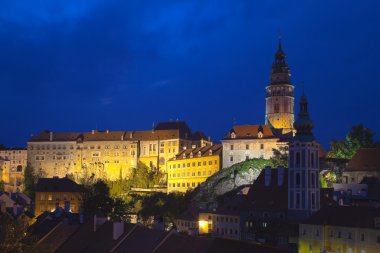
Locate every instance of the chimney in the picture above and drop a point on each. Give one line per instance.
(107, 131)
(98, 221)
(93, 131)
(118, 229)
(268, 174)
(280, 175)
(122, 137)
(209, 138)
(131, 135)
(51, 136)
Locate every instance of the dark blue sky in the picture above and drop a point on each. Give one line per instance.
(70, 65)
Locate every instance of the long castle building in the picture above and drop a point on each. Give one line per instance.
(109, 154)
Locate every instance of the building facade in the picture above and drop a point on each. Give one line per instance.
(191, 167)
(303, 180)
(364, 164)
(107, 154)
(52, 193)
(12, 165)
(341, 229)
(279, 112)
(247, 142)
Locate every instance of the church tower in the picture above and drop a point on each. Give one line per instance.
(303, 179)
(279, 113)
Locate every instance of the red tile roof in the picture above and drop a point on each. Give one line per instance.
(346, 216)
(268, 198)
(365, 159)
(209, 150)
(249, 132)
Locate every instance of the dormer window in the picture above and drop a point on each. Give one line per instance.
(184, 156)
(260, 135)
(233, 135)
(210, 152)
(191, 155)
(199, 154)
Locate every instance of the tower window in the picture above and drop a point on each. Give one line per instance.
(298, 179)
(276, 108)
(298, 159)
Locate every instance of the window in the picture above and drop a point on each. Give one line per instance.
(261, 146)
(378, 239)
(276, 108)
(298, 159)
(247, 157)
(362, 237)
(231, 158)
(232, 147)
(298, 179)
(247, 146)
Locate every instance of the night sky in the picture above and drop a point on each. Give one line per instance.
(75, 65)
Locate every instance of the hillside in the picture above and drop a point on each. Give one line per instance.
(230, 178)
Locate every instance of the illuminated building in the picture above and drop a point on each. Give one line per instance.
(364, 164)
(345, 229)
(108, 154)
(247, 142)
(224, 220)
(244, 142)
(58, 192)
(280, 95)
(12, 165)
(191, 167)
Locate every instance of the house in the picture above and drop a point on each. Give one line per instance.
(58, 192)
(364, 164)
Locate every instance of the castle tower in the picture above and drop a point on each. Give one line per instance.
(279, 113)
(303, 163)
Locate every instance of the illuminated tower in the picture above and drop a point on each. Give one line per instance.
(279, 112)
(303, 179)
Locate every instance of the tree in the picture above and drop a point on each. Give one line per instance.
(29, 181)
(98, 200)
(168, 206)
(12, 235)
(327, 178)
(358, 137)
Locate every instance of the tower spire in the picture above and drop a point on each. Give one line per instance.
(304, 124)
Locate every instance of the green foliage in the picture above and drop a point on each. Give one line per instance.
(169, 206)
(98, 200)
(12, 234)
(327, 179)
(358, 137)
(145, 177)
(30, 180)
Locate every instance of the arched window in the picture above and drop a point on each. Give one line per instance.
(312, 160)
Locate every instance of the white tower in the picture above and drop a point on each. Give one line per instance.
(303, 179)
(279, 112)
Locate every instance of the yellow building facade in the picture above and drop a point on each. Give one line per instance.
(12, 165)
(342, 229)
(108, 155)
(191, 167)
